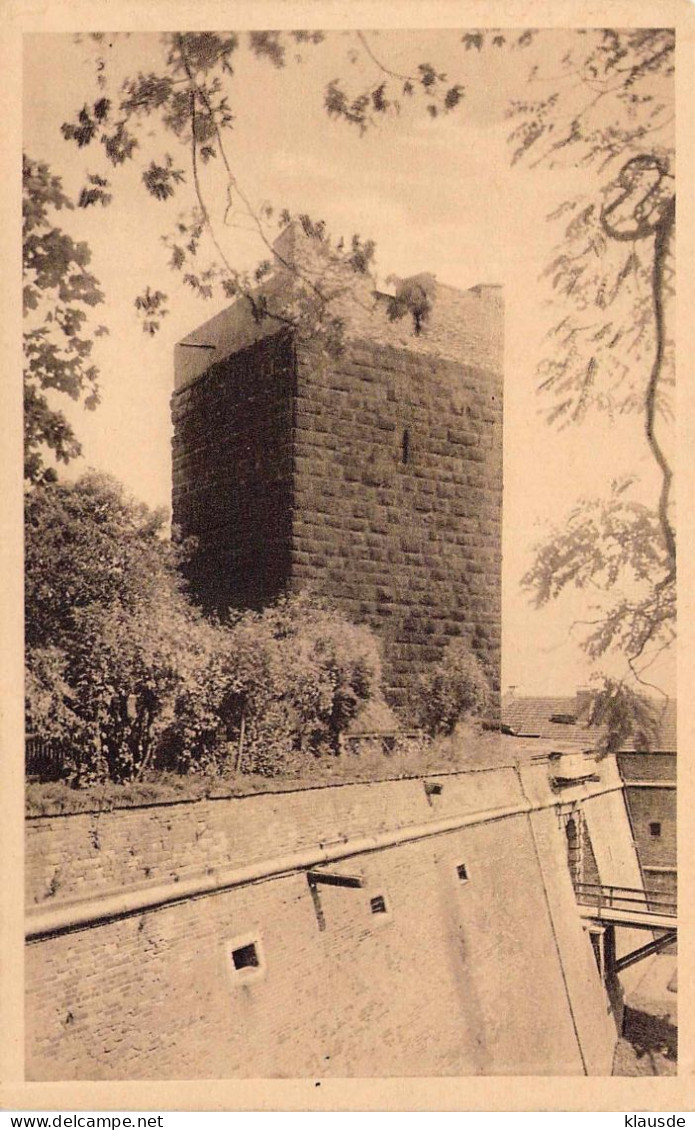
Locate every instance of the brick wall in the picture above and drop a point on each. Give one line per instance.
(647, 767)
(661, 881)
(457, 978)
(590, 871)
(649, 806)
(68, 857)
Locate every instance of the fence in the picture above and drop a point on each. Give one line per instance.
(43, 758)
(607, 897)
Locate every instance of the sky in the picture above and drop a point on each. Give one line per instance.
(438, 196)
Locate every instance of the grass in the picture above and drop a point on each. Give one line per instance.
(469, 748)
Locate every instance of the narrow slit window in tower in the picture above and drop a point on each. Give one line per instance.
(405, 446)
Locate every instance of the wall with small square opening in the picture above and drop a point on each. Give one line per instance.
(462, 873)
(379, 907)
(245, 958)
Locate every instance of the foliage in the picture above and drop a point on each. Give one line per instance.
(610, 349)
(385, 96)
(611, 547)
(188, 97)
(284, 684)
(623, 714)
(124, 671)
(87, 544)
(127, 668)
(58, 293)
(51, 798)
(413, 759)
(49, 698)
(413, 296)
(453, 690)
(110, 634)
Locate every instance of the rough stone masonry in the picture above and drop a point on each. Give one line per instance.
(373, 478)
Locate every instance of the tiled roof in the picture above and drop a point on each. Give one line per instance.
(534, 716)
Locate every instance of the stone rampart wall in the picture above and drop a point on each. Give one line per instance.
(462, 953)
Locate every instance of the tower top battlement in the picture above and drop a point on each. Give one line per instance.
(461, 324)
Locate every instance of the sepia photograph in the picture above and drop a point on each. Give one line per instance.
(349, 538)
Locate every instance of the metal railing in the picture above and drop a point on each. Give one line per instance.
(608, 897)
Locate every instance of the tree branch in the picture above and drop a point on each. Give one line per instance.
(660, 226)
(382, 66)
(661, 245)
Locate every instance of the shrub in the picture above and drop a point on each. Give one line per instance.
(110, 694)
(281, 686)
(455, 688)
(111, 636)
(51, 709)
(126, 673)
(88, 544)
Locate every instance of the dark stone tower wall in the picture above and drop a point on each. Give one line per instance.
(398, 500)
(373, 479)
(232, 473)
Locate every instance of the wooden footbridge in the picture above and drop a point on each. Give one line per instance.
(609, 907)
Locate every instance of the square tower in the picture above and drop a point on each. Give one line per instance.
(371, 477)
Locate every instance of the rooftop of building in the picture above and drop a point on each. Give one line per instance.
(565, 719)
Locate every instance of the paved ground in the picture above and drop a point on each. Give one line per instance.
(653, 994)
(649, 1044)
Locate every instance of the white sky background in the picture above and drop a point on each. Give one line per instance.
(438, 196)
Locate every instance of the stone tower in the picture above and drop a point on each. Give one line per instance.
(373, 478)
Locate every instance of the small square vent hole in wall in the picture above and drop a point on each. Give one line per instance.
(245, 959)
(379, 908)
(462, 873)
(655, 828)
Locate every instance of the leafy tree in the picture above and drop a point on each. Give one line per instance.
(110, 634)
(610, 349)
(188, 97)
(58, 292)
(87, 544)
(48, 695)
(127, 674)
(614, 549)
(280, 688)
(126, 668)
(622, 714)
